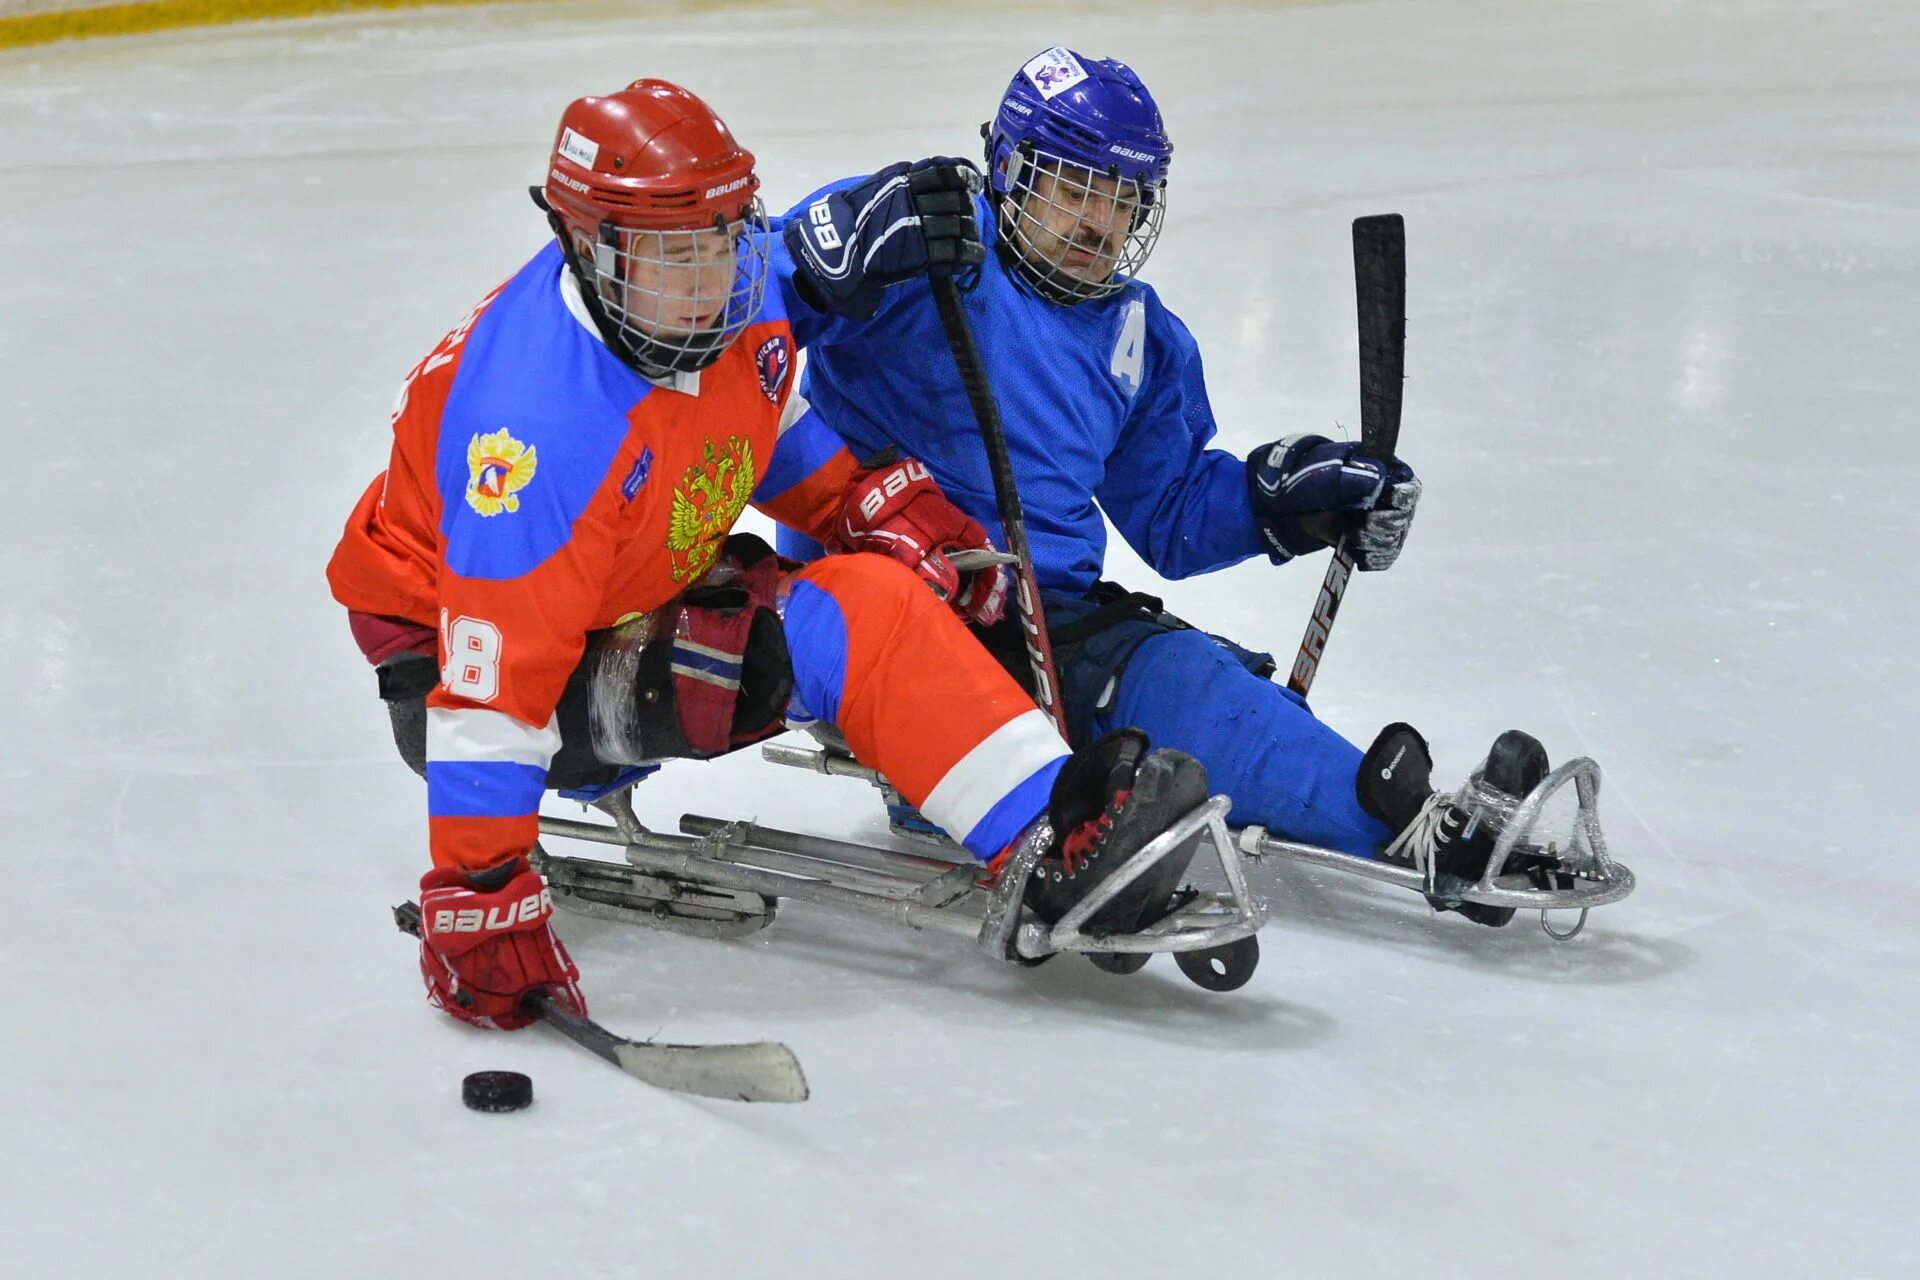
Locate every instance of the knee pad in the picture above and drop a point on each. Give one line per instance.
(700, 676)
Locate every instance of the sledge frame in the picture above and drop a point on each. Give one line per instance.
(1593, 878)
(722, 878)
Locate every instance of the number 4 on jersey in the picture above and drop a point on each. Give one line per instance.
(1130, 352)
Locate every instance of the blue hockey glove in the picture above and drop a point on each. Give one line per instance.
(904, 221)
(1309, 492)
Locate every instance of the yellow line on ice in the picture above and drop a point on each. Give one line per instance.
(166, 15)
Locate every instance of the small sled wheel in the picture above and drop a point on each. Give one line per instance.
(1221, 968)
(1120, 962)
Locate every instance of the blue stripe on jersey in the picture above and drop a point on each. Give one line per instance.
(817, 639)
(531, 369)
(728, 668)
(1015, 810)
(796, 546)
(803, 449)
(483, 788)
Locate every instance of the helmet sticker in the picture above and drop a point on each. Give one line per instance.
(582, 150)
(1054, 72)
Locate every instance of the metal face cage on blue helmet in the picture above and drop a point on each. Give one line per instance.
(1077, 157)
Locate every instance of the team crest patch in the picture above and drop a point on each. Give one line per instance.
(498, 467)
(706, 502)
(774, 359)
(642, 468)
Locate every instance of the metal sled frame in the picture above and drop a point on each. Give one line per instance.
(723, 879)
(1596, 879)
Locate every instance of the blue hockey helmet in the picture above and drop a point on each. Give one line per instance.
(1077, 157)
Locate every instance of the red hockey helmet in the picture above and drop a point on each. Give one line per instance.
(656, 207)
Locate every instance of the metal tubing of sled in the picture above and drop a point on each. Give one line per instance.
(598, 833)
(1597, 893)
(1603, 882)
(1585, 775)
(733, 843)
(1213, 921)
(732, 875)
(938, 891)
(1601, 879)
(894, 875)
(1257, 842)
(803, 857)
(826, 762)
(819, 847)
(1243, 921)
(1210, 923)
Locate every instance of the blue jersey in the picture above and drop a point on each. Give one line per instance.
(1104, 402)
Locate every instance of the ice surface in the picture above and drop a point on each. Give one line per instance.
(1664, 261)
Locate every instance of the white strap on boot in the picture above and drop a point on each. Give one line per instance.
(1420, 843)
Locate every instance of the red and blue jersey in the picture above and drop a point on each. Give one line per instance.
(539, 488)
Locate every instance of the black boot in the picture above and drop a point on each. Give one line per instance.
(1455, 834)
(1109, 801)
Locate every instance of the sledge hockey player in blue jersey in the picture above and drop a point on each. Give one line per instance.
(1106, 409)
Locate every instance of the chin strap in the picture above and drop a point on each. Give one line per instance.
(590, 295)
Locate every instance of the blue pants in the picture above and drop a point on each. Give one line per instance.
(1188, 690)
(1284, 769)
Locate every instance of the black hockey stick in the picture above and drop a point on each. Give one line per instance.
(1380, 290)
(1026, 588)
(763, 1072)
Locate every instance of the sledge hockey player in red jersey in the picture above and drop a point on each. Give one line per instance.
(545, 580)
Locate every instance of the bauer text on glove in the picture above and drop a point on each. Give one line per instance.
(487, 939)
(896, 510)
(904, 221)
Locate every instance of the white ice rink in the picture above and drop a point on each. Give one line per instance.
(1664, 298)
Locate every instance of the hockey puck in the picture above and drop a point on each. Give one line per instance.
(497, 1091)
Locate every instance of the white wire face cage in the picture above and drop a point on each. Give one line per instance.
(677, 299)
(1078, 233)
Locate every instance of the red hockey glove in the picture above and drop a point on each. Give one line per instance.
(486, 941)
(898, 511)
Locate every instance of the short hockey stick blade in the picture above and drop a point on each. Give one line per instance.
(765, 1071)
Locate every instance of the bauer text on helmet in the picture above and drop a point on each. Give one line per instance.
(655, 204)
